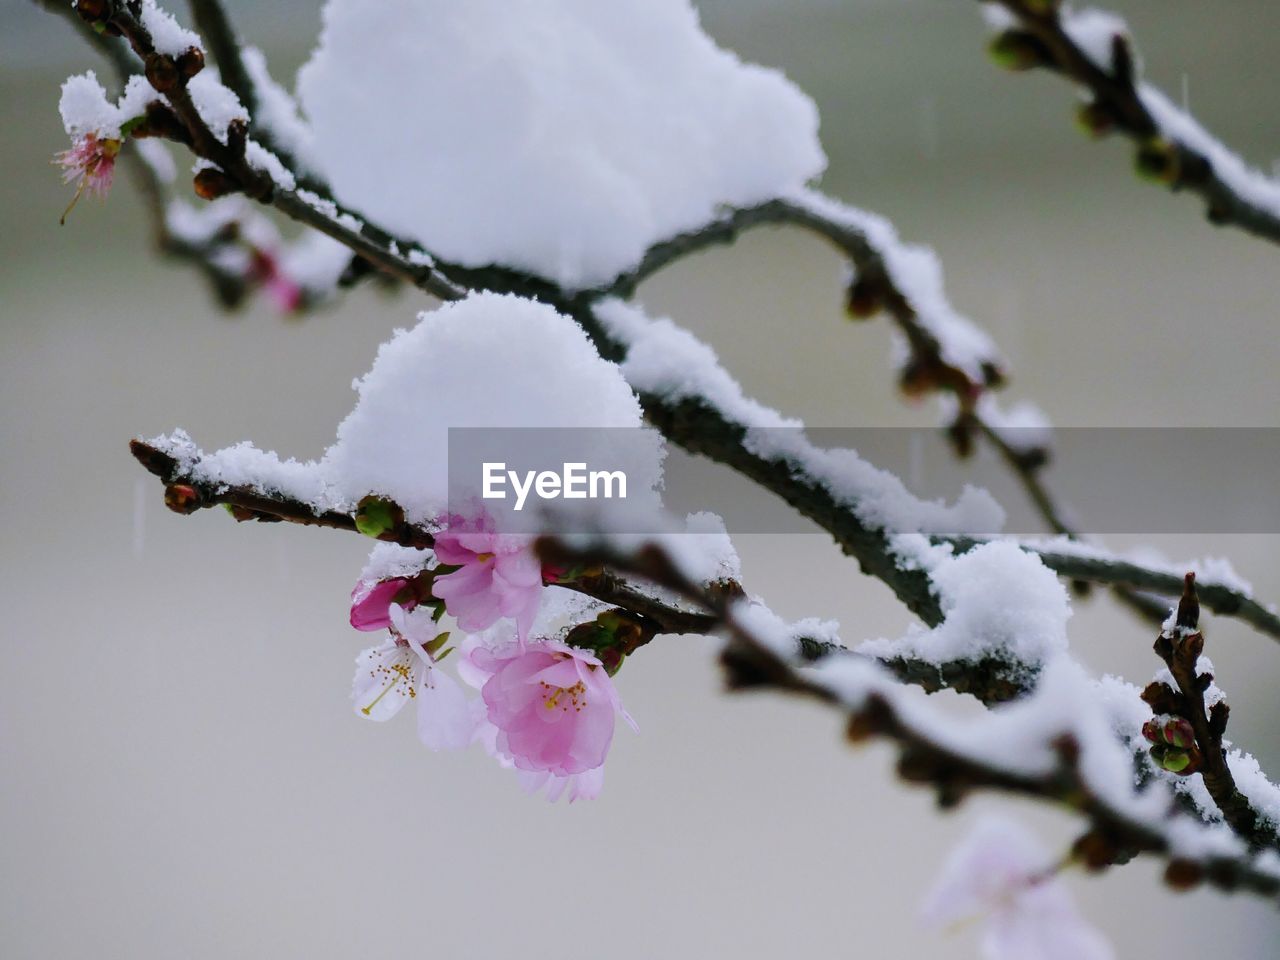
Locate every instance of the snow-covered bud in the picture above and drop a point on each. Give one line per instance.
(376, 516)
(211, 183)
(1174, 731)
(182, 498)
(190, 62)
(1157, 160)
(1019, 50)
(162, 73)
(1096, 119)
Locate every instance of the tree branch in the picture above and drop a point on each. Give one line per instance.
(694, 424)
(952, 770)
(1121, 102)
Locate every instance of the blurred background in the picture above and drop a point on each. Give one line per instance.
(183, 775)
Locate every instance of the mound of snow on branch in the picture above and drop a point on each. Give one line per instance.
(562, 137)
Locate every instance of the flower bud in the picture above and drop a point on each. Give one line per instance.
(864, 299)
(1157, 160)
(1161, 697)
(162, 73)
(992, 375)
(1183, 875)
(211, 183)
(1178, 733)
(190, 62)
(1095, 851)
(93, 11)
(182, 498)
(1174, 760)
(1096, 119)
(241, 514)
(237, 135)
(376, 516)
(1218, 715)
(1189, 603)
(1019, 50)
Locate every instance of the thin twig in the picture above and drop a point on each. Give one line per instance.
(1117, 94)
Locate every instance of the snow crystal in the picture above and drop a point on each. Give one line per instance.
(563, 137)
(997, 599)
(667, 360)
(167, 35)
(486, 361)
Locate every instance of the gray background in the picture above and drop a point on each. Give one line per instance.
(183, 776)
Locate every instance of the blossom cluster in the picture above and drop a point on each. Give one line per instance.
(544, 707)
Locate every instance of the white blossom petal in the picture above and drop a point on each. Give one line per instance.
(387, 677)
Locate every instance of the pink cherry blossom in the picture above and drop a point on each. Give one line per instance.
(500, 576)
(92, 161)
(552, 709)
(371, 602)
(283, 291)
(1000, 873)
(388, 676)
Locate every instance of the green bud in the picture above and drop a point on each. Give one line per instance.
(1018, 50)
(1175, 761)
(1157, 161)
(1095, 119)
(376, 516)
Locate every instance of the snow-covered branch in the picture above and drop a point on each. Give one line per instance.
(947, 352)
(1093, 49)
(1090, 564)
(1057, 746)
